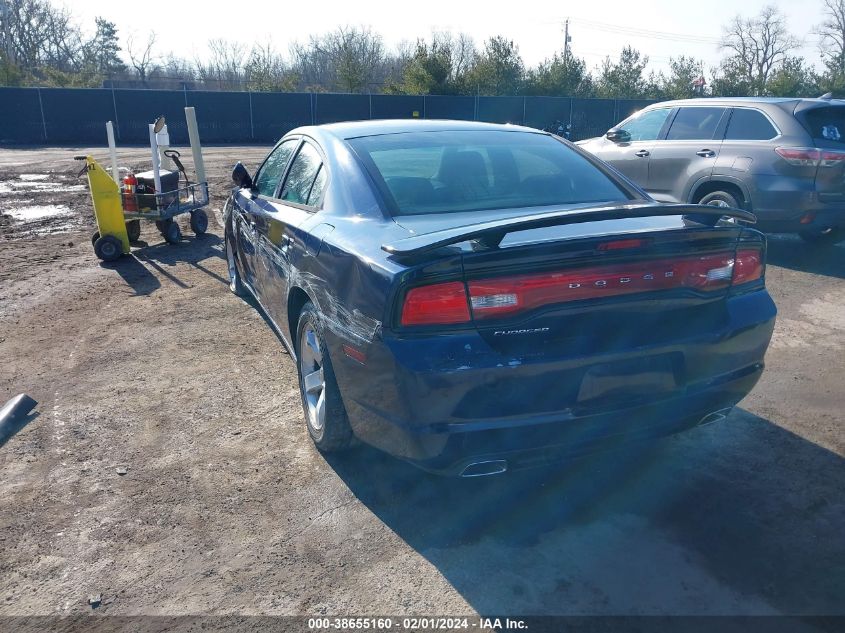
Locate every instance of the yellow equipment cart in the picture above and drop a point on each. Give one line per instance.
(116, 226)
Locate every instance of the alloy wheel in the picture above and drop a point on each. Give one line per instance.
(313, 382)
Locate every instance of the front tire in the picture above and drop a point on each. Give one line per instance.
(108, 248)
(325, 415)
(235, 283)
(824, 237)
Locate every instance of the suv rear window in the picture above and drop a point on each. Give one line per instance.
(825, 123)
(441, 172)
(749, 125)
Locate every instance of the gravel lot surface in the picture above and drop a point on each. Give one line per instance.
(152, 366)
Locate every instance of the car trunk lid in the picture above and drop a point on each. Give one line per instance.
(530, 285)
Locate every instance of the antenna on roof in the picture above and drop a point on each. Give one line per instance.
(827, 96)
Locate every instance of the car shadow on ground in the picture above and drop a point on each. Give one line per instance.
(739, 517)
(144, 267)
(790, 251)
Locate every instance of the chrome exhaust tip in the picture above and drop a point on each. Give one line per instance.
(483, 469)
(716, 416)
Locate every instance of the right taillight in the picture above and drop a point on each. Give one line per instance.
(748, 265)
(437, 304)
(800, 156)
(810, 156)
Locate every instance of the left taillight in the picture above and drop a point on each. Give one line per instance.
(437, 304)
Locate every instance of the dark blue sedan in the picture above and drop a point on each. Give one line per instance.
(474, 298)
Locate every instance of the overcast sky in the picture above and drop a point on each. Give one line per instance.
(597, 28)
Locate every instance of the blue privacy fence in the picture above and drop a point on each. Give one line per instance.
(78, 115)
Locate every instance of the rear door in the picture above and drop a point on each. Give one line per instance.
(632, 156)
(748, 133)
(688, 153)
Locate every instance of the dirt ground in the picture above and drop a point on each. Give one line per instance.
(151, 365)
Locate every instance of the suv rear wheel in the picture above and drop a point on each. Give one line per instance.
(721, 199)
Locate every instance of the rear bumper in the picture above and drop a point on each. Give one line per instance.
(784, 205)
(425, 401)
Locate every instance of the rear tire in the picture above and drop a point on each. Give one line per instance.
(325, 415)
(825, 237)
(95, 237)
(721, 199)
(108, 248)
(171, 231)
(199, 222)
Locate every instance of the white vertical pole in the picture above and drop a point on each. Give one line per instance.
(156, 161)
(115, 172)
(196, 149)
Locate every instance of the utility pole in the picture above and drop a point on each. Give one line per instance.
(566, 40)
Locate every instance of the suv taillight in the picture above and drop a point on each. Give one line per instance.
(810, 156)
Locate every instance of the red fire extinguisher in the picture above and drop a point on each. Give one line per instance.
(130, 184)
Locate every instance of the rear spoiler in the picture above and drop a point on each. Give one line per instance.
(490, 234)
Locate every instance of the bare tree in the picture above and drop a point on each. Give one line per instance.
(266, 70)
(757, 46)
(141, 55)
(464, 55)
(831, 33)
(225, 67)
(41, 35)
(350, 58)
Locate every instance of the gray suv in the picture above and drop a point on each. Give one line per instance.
(783, 159)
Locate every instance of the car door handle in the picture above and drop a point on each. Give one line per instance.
(706, 153)
(643, 153)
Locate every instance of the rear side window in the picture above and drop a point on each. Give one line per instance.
(825, 123)
(303, 172)
(749, 125)
(271, 171)
(442, 172)
(695, 124)
(646, 126)
(317, 188)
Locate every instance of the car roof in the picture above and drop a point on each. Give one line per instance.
(778, 101)
(356, 129)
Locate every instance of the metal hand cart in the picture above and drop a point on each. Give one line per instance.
(120, 209)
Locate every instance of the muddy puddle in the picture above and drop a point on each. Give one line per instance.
(42, 203)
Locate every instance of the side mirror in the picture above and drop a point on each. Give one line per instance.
(241, 177)
(618, 135)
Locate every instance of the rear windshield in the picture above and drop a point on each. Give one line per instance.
(826, 123)
(440, 172)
